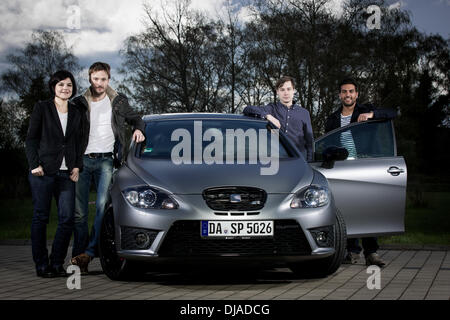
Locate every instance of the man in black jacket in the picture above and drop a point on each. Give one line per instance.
(348, 94)
(350, 111)
(104, 115)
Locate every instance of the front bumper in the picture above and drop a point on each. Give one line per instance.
(175, 234)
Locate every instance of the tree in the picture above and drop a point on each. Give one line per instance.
(46, 53)
(176, 65)
(10, 121)
(232, 42)
(26, 81)
(31, 68)
(299, 38)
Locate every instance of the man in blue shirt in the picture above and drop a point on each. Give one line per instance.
(289, 117)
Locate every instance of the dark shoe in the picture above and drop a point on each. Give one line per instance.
(45, 273)
(60, 271)
(351, 258)
(82, 261)
(374, 259)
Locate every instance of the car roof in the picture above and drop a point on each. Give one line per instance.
(193, 115)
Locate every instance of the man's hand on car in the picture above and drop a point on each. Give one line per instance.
(138, 136)
(274, 120)
(365, 116)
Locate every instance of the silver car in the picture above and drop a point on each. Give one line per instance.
(222, 188)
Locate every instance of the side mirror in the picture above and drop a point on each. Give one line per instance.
(332, 154)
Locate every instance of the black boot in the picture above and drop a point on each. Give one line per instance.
(47, 272)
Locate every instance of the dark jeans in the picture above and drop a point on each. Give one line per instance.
(43, 189)
(101, 170)
(370, 245)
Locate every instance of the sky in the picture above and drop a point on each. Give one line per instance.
(96, 29)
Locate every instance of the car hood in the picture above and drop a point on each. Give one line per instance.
(193, 179)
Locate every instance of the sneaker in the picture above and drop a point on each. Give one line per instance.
(351, 258)
(82, 261)
(374, 259)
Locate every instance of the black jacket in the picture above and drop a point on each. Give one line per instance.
(46, 145)
(334, 120)
(121, 113)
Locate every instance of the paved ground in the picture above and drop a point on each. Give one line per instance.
(409, 274)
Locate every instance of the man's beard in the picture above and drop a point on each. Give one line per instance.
(96, 92)
(348, 104)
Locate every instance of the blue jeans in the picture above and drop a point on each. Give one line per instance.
(43, 189)
(101, 170)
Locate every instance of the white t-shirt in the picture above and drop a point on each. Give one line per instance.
(101, 136)
(63, 120)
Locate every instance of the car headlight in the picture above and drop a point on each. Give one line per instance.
(311, 197)
(149, 198)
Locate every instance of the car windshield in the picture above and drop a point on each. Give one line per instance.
(213, 139)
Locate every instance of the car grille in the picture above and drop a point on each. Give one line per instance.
(220, 198)
(231, 214)
(184, 240)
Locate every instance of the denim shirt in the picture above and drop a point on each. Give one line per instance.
(295, 123)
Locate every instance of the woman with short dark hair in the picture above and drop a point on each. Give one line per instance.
(54, 156)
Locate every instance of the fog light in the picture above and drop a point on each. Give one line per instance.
(142, 240)
(137, 238)
(321, 236)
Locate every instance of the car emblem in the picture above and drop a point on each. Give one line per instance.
(234, 198)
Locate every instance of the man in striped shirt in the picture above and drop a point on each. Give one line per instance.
(350, 111)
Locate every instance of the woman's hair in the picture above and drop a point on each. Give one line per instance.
(59, 76)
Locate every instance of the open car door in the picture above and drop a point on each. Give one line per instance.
(369, 187)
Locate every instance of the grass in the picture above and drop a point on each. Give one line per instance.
(427, 219)
(16, 214)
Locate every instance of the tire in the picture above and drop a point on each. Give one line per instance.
(113, 266)
(326, 266)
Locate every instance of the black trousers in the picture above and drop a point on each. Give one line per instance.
(43, 189)
(370, 245)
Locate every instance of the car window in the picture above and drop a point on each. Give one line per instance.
(159, 145)
(372, 139)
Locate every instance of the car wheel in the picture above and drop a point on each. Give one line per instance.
(113, 266)
(324, 267)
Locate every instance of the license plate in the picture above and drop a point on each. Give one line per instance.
(231, 229)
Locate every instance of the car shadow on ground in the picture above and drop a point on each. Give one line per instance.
(201, 277)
